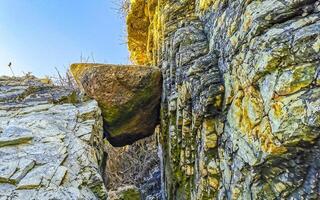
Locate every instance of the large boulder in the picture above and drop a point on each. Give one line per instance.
(129, 97)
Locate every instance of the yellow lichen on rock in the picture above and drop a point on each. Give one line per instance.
(155, 31)
(213, 182)
(247, 117)
(144, 31)
(252, 107)
(295, 79)
(77, 70)
(210, 133)
(264, 133)
(137, 28)
(207, 4)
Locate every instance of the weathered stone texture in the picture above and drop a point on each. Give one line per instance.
(51, 144)
(129, 192)
(129, 97)
(240, 105)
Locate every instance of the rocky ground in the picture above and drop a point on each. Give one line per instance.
(50, 143)
(52, 147)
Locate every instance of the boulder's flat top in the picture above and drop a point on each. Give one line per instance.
(45, 143)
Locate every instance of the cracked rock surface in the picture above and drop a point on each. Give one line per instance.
(240, 110)
(50, 143)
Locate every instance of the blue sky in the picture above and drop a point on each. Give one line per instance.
(39, 35)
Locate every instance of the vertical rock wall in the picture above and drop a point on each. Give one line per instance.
(240, 111)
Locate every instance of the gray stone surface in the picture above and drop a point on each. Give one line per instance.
(50, 143)
(261, 139)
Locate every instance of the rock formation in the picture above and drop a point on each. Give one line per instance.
(129, 97)
(130, 192)
(240, 108)
(51, 143)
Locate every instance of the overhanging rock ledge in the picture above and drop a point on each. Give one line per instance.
(128, 95)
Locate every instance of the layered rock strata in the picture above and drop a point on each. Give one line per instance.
(51, 144)
(129, 97)
(240, 109)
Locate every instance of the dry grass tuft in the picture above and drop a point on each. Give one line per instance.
(122, 7)
(129, 165)
(65, 80)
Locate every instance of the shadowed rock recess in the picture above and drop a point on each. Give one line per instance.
(51, 144)
(240, 105)
(129, 97)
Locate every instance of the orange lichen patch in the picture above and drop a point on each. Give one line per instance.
(255, 125)
(252, 109)
(277, 109)
(246, 115)
(151, 8)
(264, 133)
(267, 141)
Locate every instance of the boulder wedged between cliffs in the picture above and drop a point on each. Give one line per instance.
(128, 95)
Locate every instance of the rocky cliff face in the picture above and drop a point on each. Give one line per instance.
(240, 110)
(51, 144)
